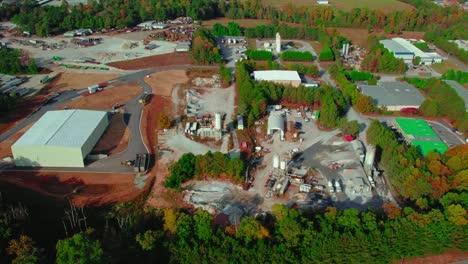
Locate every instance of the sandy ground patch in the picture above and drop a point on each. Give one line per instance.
(91, 188)
(163, 82)
(446, 257)
(5, 146)
(107, 98)
(164, 60)
(115, 139)
(386, 5)
(67, 81)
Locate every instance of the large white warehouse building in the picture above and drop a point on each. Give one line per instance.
(403, 49)
(60, 139)
(277, 76)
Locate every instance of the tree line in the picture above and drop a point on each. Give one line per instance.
(254, 96)
(260, 55)
(213, 165)
(459, 76)
(442, 100)
(380, 235)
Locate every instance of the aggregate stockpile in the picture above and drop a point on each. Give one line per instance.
(222, 197)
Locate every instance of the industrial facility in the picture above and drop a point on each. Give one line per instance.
(60, 139)
(421, 135)
(403, 49)
(206, 126)
(393, 95)
(277, 76)
(276, 123)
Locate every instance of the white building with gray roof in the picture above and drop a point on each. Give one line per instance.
(393, 95)
(60, 139)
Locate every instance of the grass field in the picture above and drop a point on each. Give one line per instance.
(281, 3)
(384, 5)
(445, 66)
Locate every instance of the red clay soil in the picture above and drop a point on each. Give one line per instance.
(91, 188)
(23, 109)
(447, 257)
(151, 113)
(156, 61)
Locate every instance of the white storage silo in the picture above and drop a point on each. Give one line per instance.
(283, 165)
(276, 161)
(218, 121)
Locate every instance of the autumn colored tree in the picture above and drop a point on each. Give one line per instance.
(392, 210)
(164, 121)
(365, 104)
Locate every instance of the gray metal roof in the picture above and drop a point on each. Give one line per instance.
(395, 47)
(462, 92)
(276, 75)
(276, 121)
(393, 94)
(68, 128)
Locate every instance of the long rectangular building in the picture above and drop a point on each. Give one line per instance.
(403, 49)
(283, 77)
(60, 139)
(393, 95)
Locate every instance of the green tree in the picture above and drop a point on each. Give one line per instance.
(365, 104)
(24, 250)
(203, 225)
(148, 240)
(430, 108)
(79, 249)
(349, 127)
(250, 229)
(326, 54)
(417, 60)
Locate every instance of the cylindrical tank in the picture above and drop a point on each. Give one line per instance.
(283, 165)
(276, 161)
(218, 121)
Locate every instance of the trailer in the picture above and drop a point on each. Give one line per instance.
(136, 165)
(143, 163)
(330, 187)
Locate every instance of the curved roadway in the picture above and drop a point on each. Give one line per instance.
(132, 115)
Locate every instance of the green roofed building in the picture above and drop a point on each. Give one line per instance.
(421, 135)
(60, 139)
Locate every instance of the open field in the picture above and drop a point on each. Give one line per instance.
(66, 81)
(116, 137)
(107, 98)
(384, 5)
(91, 188)
(165, 60)
(359, 36)
(445, 66)
(163, 82)
(5, 146)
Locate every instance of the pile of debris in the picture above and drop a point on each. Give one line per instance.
(214, 81)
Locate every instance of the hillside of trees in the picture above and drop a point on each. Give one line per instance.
(459, 76)
(380, 235)
(422, 180)
(254, 97)
(15, 61)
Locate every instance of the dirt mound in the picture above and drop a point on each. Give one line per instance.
(156, 61)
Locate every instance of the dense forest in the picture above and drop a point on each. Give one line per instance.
(254, 97)
(133, 234)
(420, 179)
